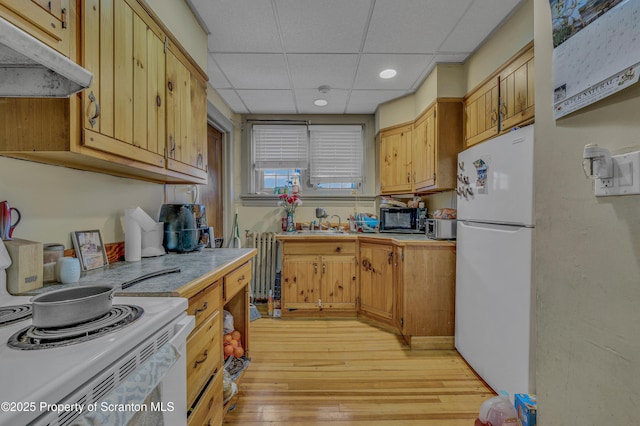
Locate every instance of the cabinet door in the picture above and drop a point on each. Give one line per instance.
(517, 92)
(423, 154)
(338, 284)
(45, 20)
(186, 119)
(481, 113)
(124, 109)
(376, 280)
(301, 282)
(395, 160)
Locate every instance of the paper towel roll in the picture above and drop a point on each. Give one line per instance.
(132, 236)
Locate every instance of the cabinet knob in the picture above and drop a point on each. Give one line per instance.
(158, 101)
(170, 86)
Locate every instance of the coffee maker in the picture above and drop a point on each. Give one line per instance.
(185, 227)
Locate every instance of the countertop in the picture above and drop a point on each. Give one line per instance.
(395, 238)
(197, 270)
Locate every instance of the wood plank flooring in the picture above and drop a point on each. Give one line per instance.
(347, 372)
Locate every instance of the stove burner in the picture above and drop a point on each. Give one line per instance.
(32, 338)
(13, 314)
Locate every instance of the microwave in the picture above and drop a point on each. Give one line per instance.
(441, 229)
(399, 220)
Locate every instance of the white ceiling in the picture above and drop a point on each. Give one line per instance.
(271, 56)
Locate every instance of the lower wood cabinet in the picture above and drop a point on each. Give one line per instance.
(376, 281)
(205, 362)
(319, 277)
(208, 409)
(404, 285)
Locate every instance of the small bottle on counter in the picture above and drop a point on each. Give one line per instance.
(270, 304)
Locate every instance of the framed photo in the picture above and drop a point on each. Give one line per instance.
(89, 249)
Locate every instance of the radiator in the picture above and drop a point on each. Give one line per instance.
(264, 264)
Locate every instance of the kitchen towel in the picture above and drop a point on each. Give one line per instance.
(133, 392)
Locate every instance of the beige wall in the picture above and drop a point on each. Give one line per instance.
(55, 200)
(587, 260)
(500, 46)
(177, 16)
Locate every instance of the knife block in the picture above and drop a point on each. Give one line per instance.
(26, 270)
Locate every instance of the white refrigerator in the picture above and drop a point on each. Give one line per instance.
(495, 298)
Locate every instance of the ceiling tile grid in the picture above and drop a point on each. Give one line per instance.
(271, 56)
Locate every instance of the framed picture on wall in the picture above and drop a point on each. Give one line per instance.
(89, 249)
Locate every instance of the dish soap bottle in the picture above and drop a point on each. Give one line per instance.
(270, 304)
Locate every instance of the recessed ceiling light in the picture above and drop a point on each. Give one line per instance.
(388, 73)
(320, 102)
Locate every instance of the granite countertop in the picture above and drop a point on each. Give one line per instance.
(197, 270)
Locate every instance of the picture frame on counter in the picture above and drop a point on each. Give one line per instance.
(89, 249)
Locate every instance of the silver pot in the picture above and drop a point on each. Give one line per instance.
(62, 308)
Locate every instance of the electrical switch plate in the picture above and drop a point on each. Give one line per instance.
(626, 176)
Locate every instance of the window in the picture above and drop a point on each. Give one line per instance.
(328, 158)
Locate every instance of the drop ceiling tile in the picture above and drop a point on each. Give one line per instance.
(313, 71)
(337, 101)
(268, 101)
(239, 25)
(233, 100)
(216, 77)
(409, 67)
(328, 26)
(480, 20)
(419, 26)
(257, 71)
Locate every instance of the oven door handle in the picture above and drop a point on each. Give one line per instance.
(183, 326)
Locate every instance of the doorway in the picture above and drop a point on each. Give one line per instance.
(211, 195)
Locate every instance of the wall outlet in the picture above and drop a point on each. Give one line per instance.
(626, 176)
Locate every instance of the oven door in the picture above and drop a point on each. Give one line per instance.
(156, 391)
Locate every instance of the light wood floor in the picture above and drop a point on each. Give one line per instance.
(347, 372)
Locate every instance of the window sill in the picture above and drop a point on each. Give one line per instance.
(258, 200)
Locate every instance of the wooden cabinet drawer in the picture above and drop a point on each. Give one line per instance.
(320, 248)
(208, 411)
(236, 280)
(204, 355)
(205, 303)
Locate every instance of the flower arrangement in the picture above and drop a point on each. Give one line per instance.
(289, 202)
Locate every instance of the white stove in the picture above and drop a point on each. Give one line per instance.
(90, 374)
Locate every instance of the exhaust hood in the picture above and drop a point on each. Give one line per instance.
(31, 69)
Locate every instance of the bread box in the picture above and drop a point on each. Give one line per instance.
(25, 272)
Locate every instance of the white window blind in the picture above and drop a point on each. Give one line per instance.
(280, 146)
(336, 154)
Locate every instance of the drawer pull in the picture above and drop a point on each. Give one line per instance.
(206, 354)
(241, 278)
(200, 310)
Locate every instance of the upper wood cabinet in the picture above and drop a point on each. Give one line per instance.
(481, 113)
(45, 20)
(517, 92)
(395, 159)
(503, 101)
(120, 125)
(436, 143)
(186, 119)
(124, 109)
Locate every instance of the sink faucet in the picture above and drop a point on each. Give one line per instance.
(339, 222)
